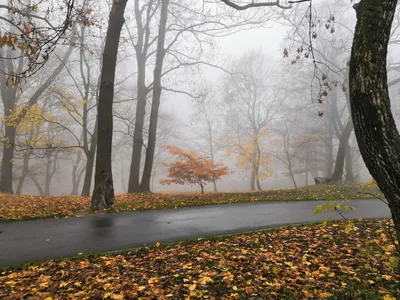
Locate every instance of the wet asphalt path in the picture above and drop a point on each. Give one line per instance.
(31, 241)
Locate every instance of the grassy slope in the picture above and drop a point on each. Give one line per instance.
(23, 207)
(311, 261)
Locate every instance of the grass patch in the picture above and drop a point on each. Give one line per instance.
(296, 262)
(25, 207)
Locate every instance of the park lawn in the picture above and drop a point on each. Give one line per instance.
(335, 261)
(25, 207)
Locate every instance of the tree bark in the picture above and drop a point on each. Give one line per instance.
(134, 174)
(349, 165)
(141, 49)
(329, 147)
(155, 105)
(103, 193)
(202, 189)
(375, 127)
(337, 176)
(24, 173)
(87, 181)
(7, 162)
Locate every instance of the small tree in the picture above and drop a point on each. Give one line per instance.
(190, 168)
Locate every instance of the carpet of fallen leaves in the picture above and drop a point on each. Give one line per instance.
(22, 207)
(311, 261)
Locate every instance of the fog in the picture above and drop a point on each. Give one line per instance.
(257, 91)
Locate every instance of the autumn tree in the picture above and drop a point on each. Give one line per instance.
(33, 30)
(190, 168)
(374, 125)
(172, 38)
(207, 121)
(11, 93)
(250, 106)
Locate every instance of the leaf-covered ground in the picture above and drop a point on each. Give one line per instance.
(310, 261)
(22, 207)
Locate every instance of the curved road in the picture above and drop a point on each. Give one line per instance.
(49, 239)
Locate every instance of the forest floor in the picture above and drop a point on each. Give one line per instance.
(339, 260)
(27, 207)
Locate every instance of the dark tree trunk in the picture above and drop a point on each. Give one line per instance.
(51, 168)
(24, 173)
(375, 127)
(103, 193)
(155, 104)
(87, 181)
(141, 48)
(77, 174)
(337, 176)
(7, 162)
(134, 174)
(349, 165)
(90, 155)
(202, 189)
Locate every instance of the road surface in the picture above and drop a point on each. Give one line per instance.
(39, 240)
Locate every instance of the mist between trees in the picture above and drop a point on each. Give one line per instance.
(120, 81)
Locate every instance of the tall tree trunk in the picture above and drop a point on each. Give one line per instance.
(103, 193)
(24, 173)
(349, 165)
(51, 168)
(337, 176)
(87, 181)
(155, 104)
(329, 147)
(375, 127)
(202, 189)
(7, 162)
(90, 156)
(134, 174)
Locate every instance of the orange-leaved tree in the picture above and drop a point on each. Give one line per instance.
(191, 168)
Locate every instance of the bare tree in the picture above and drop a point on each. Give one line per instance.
(103, 193)
(251, 107)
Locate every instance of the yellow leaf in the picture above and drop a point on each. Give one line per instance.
(371, 281)
(62, 284)
(48, 298)
(388, 297)
(158, 244)
(11, 282)
(205, 279)
(192, 287)
(331, 274)
(117, 296)
(141, 288)
(77, 283)
(44, 284)
(387, 277)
